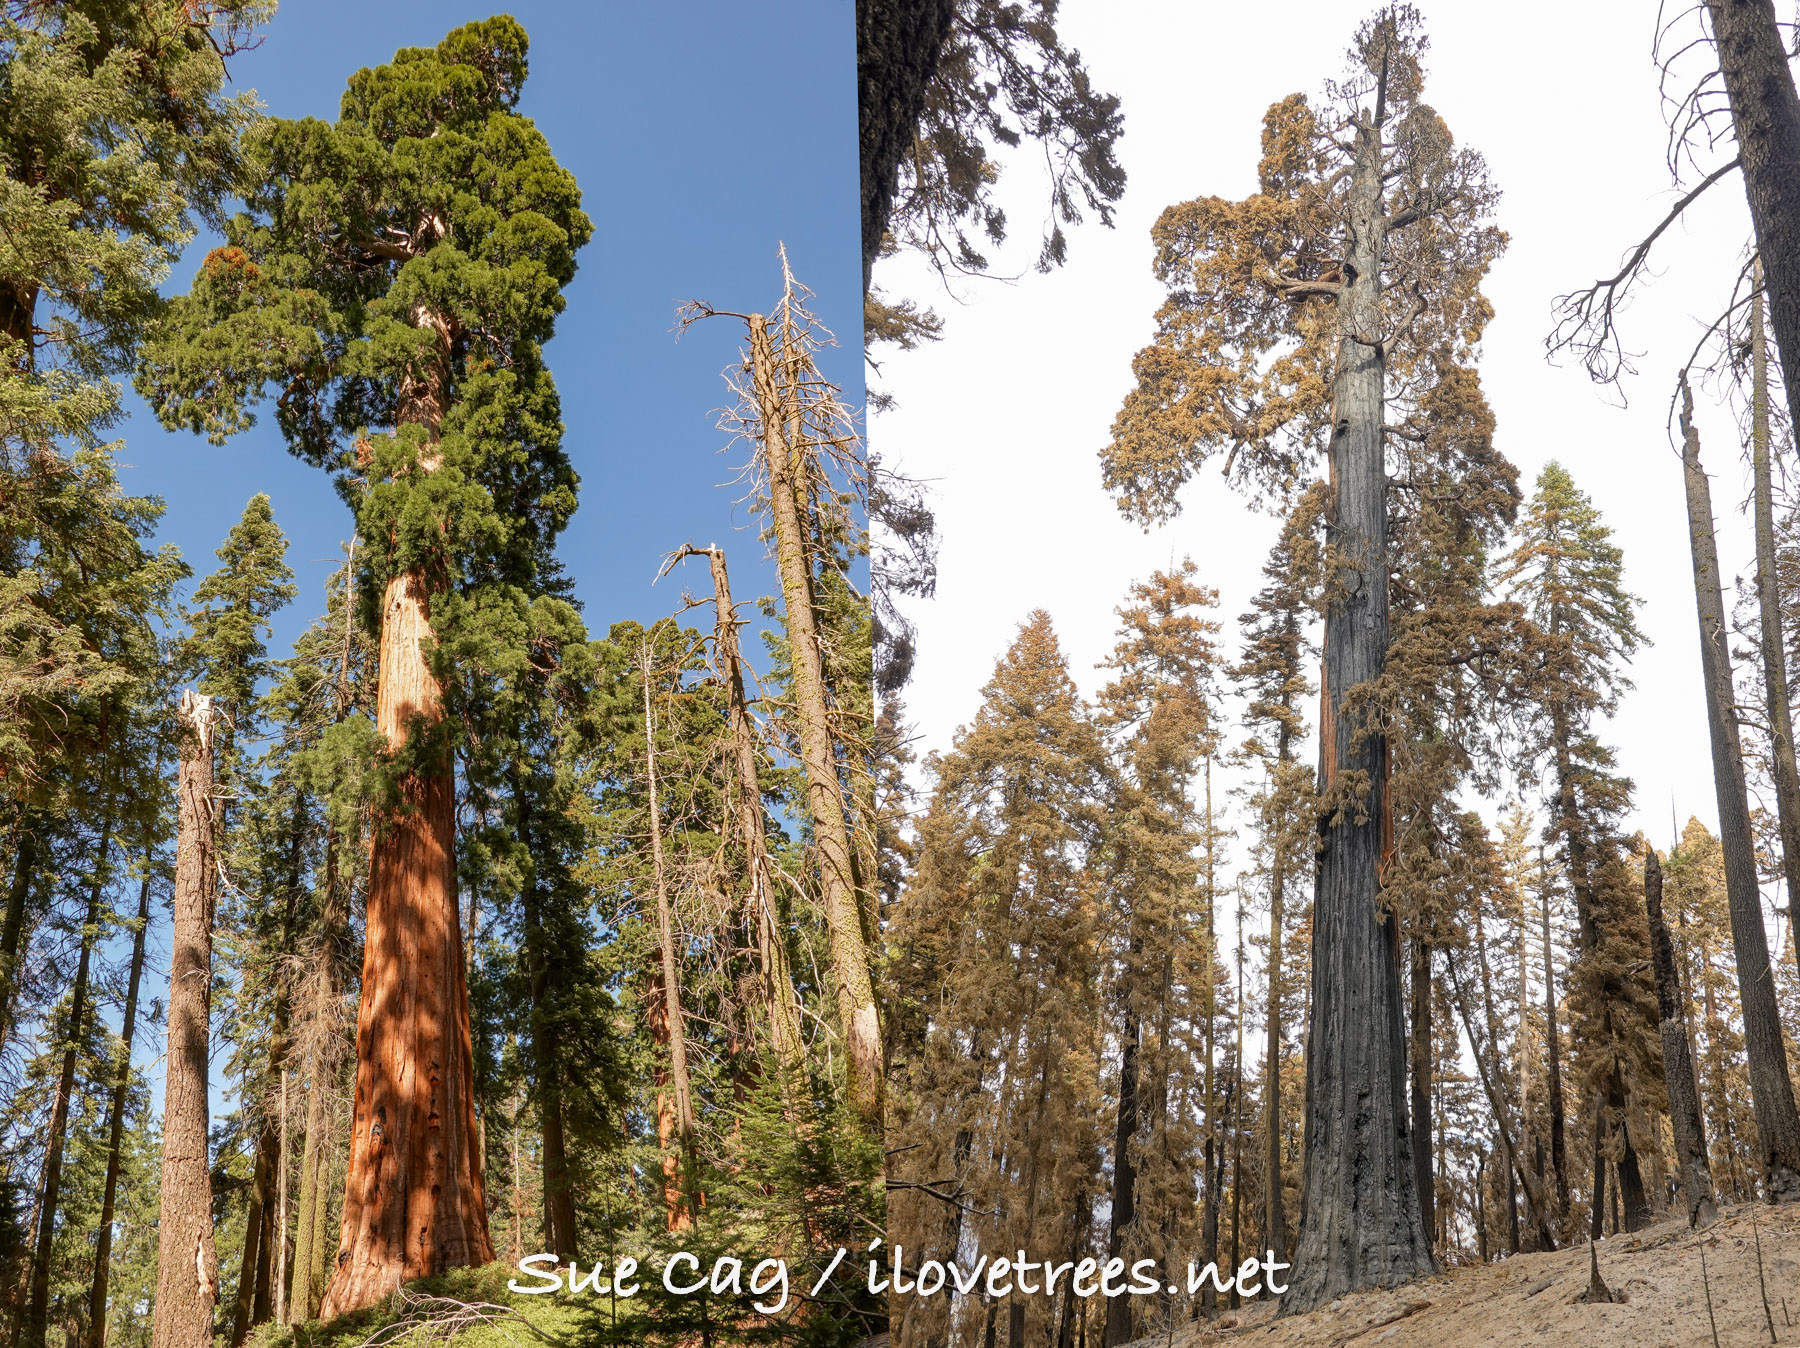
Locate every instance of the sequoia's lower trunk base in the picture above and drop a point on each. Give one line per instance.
(413, 1198)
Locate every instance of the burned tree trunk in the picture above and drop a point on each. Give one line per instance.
(1678, 1061)
(1771, 1090)
(187, 1275)
(1553, 1091)
(1765, 114)
(852, 985)
(1361, 1201)
(1768, 593)
(1275, 1229)
(1124, 1187)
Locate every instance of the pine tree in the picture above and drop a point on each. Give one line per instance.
(397, 310)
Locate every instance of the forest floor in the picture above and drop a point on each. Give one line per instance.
(1655, 1277)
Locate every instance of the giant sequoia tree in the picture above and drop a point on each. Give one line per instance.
(391, 286)
(1325, 309)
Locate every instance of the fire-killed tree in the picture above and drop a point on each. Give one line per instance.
(1771, 1088)
(1297, 318)
(391, 285)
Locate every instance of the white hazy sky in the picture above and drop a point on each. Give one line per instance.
(1006, 414)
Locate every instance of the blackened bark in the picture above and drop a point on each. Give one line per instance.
(1765, 114)
(187, 1275)
(1771, 1090)
(897, 47)
(1275, 1220)
(1124, 1191)
(1559, 1156)
(1363, 1226)
(1768, 593)
(1692, 1165)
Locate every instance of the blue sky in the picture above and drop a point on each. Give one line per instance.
(661, 111)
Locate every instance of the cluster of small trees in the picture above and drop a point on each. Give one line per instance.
(505, 936)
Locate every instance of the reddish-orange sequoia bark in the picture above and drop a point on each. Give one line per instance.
(414, 1204)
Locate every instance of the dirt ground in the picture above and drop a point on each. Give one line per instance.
(1536, 1299)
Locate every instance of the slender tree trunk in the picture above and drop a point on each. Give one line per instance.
(1275, 1233)
(780, 1002)
(1692, 1164)
(1363, 1225)
(1765, 114)
(1771, 1090)
(1559, 1156)
(671, 968)
(281, 1207)
(50, 1191)
(115, 1140)
(252, 1276)
(1124, 1187)
(187, 1276)
(1421, 1082)
(12, 930)
(414, 1201)
(1237, 1120)
(1768, 593)
(853, 988)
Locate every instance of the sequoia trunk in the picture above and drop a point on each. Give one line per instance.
(1362, 1226)
(414, 1204)
(1771, 1090)
(187, 1274)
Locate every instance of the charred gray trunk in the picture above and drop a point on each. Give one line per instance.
(1124, 1192)
(1771, 1090)
(1692, 1165)
(1765, 114)
(1421, 1082)
(1363, 1226)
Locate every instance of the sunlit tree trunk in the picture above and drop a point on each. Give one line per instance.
(414, 1202)
(187, 1276)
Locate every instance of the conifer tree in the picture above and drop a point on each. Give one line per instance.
(1771, 1087)
(1002, 925)
(392, 284)
(1273, 676)
(1364, 203)
(1162, 708)
(1568, 575)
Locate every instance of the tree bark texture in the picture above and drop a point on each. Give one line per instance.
(1559, 1156)
(852, 985)
(1771, 1090)
(1124, 1187)
(187, 1274)
(1361, 1201)
(1421, 1082)
(1692, 1165)
(1275, 1220)
(1765, 114)
(414, 1203)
